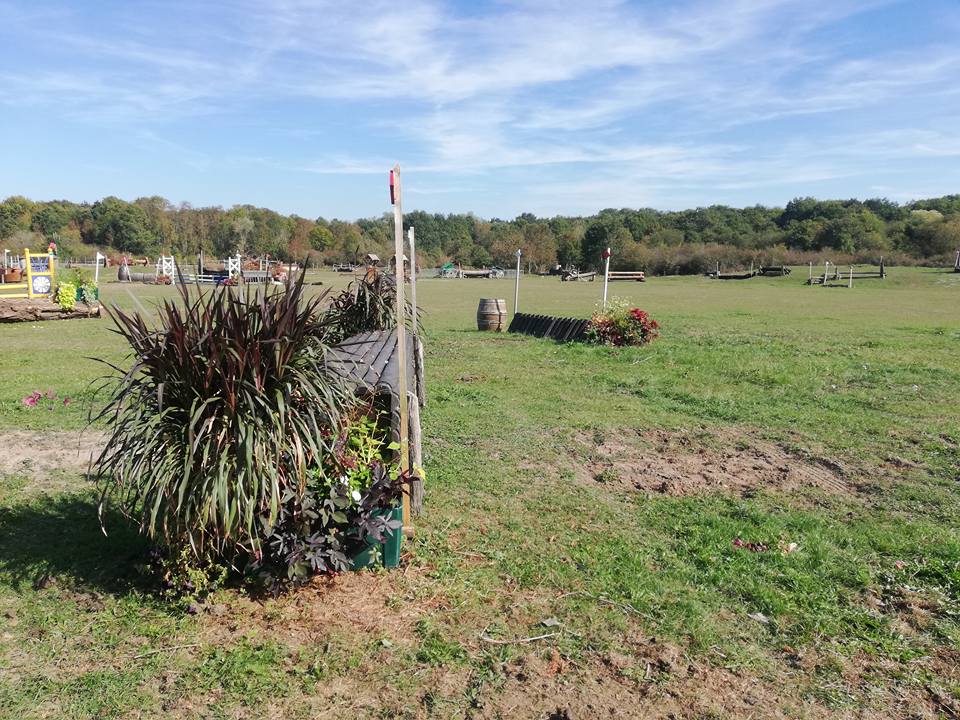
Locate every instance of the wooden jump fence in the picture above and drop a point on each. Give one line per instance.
(838, 275)
(38, 277)
(632, 275)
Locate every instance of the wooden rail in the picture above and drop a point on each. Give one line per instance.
(634, 275)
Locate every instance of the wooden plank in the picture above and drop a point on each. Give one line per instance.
(416, 456)
(401, 332)
(418, 371)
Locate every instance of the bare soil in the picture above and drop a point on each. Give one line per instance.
(372, 605)
(656, 682)
(680, 463)
(48, 459)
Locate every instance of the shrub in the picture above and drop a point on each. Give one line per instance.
(66, 295)
(364, 305)
(215, 428)
(84, 283)
(322, 529)
(345, 505)
(620, 325)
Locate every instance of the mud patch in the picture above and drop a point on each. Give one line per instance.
(680, 463)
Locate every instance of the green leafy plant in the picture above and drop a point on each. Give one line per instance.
(183, 576)
(228, 402)
(322, 529)
(66, 295)
(86, 287)
(361, 446)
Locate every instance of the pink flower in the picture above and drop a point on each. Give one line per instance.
(50, 394)
(29, 401)
(66, 401)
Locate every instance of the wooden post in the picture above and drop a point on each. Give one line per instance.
(416, 456)
(606, 278)
(717, 276)
(883, 271)
(850, 281)
(396, 196)
(826, 270)
(413, 279)
(516, 285)
(810, 274)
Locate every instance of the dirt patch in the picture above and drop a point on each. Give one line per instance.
(51, 462)
(654, 681)
(658, 680)
(366, 604)
(32, 453)
(681, 463)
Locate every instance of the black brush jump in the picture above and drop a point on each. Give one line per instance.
(555, 328)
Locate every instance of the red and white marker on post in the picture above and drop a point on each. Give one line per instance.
(606, 275)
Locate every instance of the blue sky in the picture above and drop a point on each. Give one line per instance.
(493, 107)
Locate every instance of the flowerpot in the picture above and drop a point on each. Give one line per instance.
(391, 547)
(12, 276)
(368, 557)
(386, 553)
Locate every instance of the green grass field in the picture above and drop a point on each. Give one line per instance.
(545, 516)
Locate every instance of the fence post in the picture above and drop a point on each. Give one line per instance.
(516, 285)
(850, 282)
(396, 195)
(413, 278)
(606, 277)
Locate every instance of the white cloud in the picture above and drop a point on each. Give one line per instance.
(614, 93)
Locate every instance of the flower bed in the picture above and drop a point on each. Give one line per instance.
(620, 325)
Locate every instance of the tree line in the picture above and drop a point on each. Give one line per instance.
(660, 242)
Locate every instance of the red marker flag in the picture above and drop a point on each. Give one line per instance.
(393, 197)
(605, 254)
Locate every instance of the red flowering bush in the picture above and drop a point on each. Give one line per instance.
(621, 325)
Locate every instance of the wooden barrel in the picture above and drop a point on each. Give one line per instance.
(492, 315)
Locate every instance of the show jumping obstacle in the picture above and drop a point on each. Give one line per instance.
(40, 273)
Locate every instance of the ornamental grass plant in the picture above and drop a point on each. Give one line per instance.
(228, 409)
